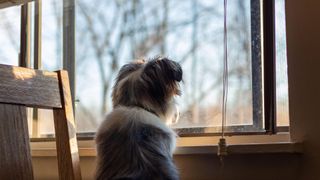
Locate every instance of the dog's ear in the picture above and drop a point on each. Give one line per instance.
(120, 92)
(165, 67)
(173, 69)
(129, 68)
(161, 76)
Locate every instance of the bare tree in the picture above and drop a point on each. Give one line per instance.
(147, 27)
(126, 24)
(103, 46)
(111, 33)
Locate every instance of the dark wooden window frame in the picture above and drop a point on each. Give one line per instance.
(269, 66)
(270, 96)
(263, 80)
(263, 85)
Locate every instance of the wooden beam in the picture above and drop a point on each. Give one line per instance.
(66, 138)
(37, 34)
(270, 101)
(25, 34)
(69, 43)
(37, 57)
(29, 87)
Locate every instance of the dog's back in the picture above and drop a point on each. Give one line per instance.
(133, 143)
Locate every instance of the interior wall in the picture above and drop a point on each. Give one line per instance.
(303, 32)
(303, 39)
(201, 167)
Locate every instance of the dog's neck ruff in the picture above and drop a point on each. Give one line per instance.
(146, 109)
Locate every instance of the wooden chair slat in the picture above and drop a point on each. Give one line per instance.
(65, 129)
(33, 88)
(15, 157)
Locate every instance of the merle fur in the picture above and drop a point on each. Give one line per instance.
(133, 142)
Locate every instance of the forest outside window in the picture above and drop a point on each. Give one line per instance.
(111, 33)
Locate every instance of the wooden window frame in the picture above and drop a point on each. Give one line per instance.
(263, 65)
(263, 77)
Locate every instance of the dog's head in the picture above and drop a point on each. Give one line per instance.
(151, 85)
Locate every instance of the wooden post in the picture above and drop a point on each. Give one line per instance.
(24, 59)
(69, 42)
(270, 100)
(37, 58)
(66, 139)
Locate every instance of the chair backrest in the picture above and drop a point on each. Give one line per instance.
(21, 88)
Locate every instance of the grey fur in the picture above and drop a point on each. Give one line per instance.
(133, 142)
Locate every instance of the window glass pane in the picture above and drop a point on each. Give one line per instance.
(52, 35)
(112, 33)
(51, 56)
(281, 66)
(10, 35)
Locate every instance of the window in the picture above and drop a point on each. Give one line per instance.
(117, 32)
(51, 58)
(9, 27)
(111, 33)
(281, 66)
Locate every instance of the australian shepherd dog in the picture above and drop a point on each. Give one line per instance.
(134, 142)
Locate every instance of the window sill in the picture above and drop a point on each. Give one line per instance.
(271, 148)
(257, 144)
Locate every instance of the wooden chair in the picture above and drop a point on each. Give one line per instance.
(21, 88)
